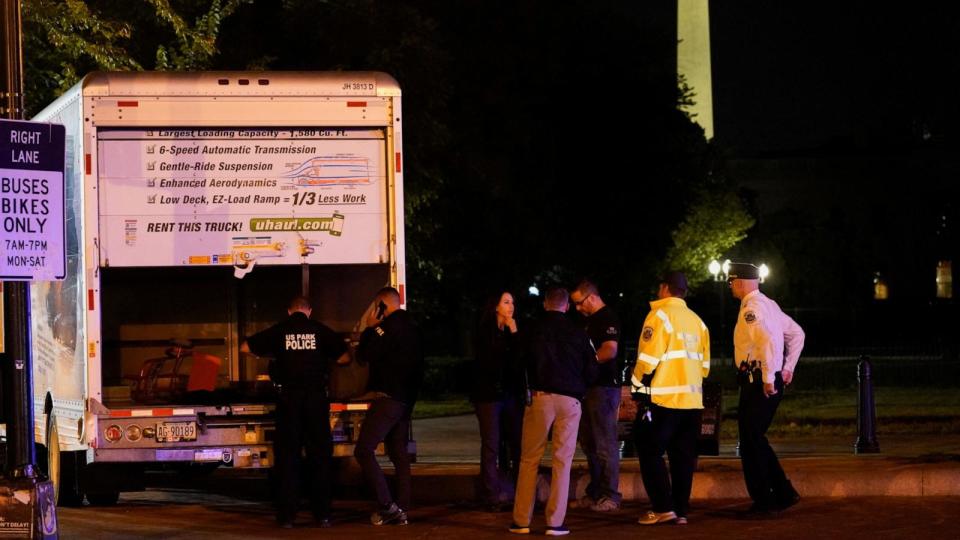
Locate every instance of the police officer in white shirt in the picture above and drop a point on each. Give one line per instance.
(767, 345)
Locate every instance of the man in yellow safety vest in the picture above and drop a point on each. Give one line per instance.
(673, 359)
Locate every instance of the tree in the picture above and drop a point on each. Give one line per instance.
(64, 39)
(714, 223)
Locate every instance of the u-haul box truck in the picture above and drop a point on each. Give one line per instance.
(197, 206)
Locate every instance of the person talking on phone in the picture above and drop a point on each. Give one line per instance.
(392, 346)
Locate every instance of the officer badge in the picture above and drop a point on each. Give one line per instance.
(611, 330)
(750, 317)
(647, 333)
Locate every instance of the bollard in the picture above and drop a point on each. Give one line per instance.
(866, 411)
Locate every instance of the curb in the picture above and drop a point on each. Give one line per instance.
(722, 478)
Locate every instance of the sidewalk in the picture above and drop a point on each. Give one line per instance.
(188, 515)
(909, 465)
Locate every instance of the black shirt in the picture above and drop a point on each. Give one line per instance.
(497, 369)
(395, 354)
(604, 325)
(559, 357)
(301, 348)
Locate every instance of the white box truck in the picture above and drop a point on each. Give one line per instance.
(197, 205)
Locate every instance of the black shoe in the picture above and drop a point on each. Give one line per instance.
(787, 500)
(519, 529)
(758, 512)
(393, 514)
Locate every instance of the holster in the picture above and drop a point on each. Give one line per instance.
(746, 370)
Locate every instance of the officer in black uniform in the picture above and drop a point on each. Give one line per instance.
(302, 350)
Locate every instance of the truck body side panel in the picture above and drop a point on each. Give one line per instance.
(58, 311)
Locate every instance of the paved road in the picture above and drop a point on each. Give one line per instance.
(185, 514)
(235, 505)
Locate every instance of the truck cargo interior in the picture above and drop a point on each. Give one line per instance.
(172, 334)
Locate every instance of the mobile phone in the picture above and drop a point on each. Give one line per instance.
(381, 308)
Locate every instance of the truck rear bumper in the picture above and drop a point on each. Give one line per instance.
(241, 457)
(238, 457)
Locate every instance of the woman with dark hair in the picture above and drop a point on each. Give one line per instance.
(498, 398)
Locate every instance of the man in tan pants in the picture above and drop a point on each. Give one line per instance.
(560, 362)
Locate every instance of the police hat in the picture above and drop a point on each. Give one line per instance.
(742, 271)
(676, 280)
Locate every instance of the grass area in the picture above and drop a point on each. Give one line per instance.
(834, 412)
(436, 409)
(811, 412)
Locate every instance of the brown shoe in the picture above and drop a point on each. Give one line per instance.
(653, 518)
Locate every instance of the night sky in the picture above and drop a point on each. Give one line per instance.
(801, 77)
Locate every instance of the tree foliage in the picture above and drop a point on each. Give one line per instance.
(64, 39)
(714, 223)
(195, 45)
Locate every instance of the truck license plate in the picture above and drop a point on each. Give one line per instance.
(176, 431)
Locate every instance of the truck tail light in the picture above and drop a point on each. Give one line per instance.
(113, 433)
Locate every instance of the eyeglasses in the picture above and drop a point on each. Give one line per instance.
(580, 303)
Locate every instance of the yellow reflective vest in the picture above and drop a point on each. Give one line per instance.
(675, 347)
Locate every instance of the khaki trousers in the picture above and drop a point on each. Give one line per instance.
(563, 414)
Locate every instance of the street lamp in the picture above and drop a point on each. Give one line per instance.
(764, 272)
(715, 269)
(719, 271)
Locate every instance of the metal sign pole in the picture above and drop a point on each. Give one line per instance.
(16, 295)
(37, 517)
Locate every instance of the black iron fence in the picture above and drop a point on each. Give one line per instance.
(906, 366)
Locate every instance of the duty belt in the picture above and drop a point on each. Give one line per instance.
(751, 372)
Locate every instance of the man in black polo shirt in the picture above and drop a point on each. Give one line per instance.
(598, 425)
(301, 349)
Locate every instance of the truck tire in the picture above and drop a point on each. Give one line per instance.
(62, 468)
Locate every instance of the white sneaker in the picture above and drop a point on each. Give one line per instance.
(652, 518)
(681, 520)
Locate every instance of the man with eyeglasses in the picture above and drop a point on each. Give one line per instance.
(598, 425)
